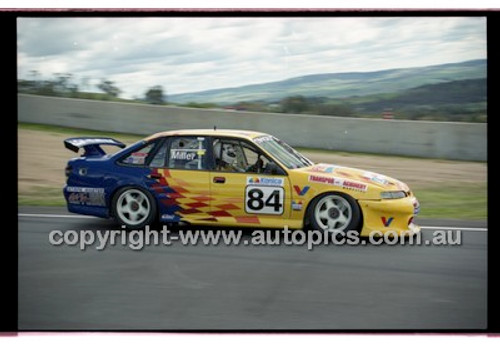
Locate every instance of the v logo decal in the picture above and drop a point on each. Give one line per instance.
(387, 222)
(301, 192)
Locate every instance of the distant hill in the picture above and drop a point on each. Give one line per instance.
(449, 93)
(341, 85)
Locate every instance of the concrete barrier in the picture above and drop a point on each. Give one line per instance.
(447, 140)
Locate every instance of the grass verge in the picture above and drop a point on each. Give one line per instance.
(467, 201)
(376, 155)
(43, 196)
(76, 132)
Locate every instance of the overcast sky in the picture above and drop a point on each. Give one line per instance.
(194, 54)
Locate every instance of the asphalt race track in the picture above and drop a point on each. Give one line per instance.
(364, 287)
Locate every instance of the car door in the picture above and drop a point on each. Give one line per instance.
(242, 192)
(180, 170)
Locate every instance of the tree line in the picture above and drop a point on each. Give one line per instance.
(64, 85)
(451, 101)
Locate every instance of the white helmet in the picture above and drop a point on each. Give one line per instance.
(227, 154)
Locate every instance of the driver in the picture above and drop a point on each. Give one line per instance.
(225, 157)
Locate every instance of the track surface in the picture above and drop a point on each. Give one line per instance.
(248, 287)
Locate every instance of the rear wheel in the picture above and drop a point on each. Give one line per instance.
(335, 212)
(134, 207)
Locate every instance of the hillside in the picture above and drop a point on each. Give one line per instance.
(461, 100)
(341, 85)
(468, 91)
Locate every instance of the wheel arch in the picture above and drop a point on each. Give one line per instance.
(131, 185)
(306, 221)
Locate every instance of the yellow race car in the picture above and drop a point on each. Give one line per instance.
(231, 178)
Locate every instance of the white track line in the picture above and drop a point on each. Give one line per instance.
(472, 229)
(63, 216)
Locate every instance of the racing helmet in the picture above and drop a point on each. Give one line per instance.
(227, 155)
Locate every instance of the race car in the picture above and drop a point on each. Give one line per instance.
(230, 178)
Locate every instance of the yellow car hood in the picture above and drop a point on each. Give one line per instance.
(358, 175)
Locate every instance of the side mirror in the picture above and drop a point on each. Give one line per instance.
(274, 169)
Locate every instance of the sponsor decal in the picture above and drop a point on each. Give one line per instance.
(301, 192)
(178, 154)
(346, 184)
(265, 181)
(86, 196)
(259, 140)
(324, 168)
(88, 141)
(376, 178)
(387, 222)
(297, 205)
(352, 185)
(85, 189)
(325, 180)
(167, 217)
(136, 158)
(416, 207)
(345, 174)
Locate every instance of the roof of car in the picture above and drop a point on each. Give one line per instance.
(208, 132)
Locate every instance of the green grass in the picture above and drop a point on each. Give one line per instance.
(467, 201)
(305, 151)
(46, 196)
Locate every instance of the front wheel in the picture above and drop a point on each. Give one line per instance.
(335, 212)
(134, 207)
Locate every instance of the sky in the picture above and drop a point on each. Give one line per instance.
(194, 54)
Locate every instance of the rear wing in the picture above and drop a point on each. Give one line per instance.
(92, 145)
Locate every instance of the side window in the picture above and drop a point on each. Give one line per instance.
(238, 156)
(160, 156)
(138, 157)
(229, 156)
(257, 162)
(188, 153)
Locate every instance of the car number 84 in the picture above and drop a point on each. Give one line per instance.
(264, 200)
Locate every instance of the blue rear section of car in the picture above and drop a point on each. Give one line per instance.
(93, 180)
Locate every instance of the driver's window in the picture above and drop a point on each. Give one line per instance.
(229, 156)
(257, 162)
(237, 156)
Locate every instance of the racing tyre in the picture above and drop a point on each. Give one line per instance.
(334, 212)
(134, 207)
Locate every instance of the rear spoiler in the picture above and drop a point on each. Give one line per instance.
(92, 145)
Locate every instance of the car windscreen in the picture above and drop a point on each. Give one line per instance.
(283, 152)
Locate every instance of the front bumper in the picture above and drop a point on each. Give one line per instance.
(393, 216)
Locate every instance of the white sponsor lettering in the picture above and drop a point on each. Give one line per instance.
(183, 155)
(88, 141)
